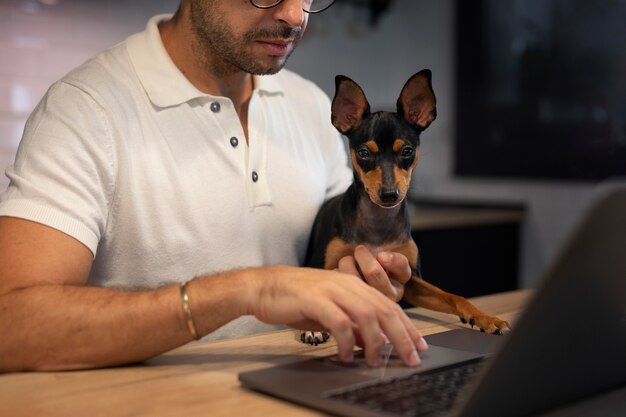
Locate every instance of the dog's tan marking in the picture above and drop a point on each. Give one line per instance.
(337, 249)
(398, 144)
(407, 248)
(372, 180)
(372, 146)
(403, 176)
(403, 180)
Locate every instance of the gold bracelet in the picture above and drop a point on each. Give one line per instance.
(190, 325)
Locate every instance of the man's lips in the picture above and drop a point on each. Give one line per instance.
(276, 47)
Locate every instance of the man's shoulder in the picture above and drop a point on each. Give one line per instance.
(117, 63)
(98, 73)
(106, 80)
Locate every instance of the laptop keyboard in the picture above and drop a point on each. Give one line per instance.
(428, 394)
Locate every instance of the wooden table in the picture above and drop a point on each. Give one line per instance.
(199, 379)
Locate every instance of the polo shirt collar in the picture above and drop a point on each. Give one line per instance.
(267, 83)
(163, 82)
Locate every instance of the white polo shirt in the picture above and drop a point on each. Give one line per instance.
(156, 179)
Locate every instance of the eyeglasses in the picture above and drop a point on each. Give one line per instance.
(308, 6)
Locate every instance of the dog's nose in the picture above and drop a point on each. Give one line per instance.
(389, 196)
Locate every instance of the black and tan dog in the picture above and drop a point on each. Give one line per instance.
(373, 211)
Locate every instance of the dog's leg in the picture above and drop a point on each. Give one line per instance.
(423, 294)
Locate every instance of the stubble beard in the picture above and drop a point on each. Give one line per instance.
(223, 53)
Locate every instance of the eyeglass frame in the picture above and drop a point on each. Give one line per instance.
(277, 2)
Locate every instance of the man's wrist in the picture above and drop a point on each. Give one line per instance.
(215, 300)
(252, 282)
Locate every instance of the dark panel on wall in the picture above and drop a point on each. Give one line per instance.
(541, 89)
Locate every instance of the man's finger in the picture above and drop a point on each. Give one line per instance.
(403, 336)
(373, 272)
(347, 265)
(396, 265)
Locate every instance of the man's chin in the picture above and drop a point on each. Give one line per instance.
(270, 69)
(266, 65)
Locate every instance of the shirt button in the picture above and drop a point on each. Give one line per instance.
(255, 176)
(215, 107)
(234, 142)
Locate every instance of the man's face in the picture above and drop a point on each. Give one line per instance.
(233, 35)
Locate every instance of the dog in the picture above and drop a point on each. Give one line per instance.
(384, 148)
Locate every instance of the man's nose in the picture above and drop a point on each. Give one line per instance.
(290, 12)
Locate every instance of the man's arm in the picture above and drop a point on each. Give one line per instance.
(49, 319)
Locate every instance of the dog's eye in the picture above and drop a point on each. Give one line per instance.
(363, 153)
(407, 151)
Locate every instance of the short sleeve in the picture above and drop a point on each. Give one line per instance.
(63, 175)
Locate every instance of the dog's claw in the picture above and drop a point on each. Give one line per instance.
(498, 332)
(463, 320)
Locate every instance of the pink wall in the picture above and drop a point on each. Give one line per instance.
(41, 40)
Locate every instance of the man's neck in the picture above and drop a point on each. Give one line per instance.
(178, 39)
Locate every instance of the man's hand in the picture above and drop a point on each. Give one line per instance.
(352, 311)
(388, 272)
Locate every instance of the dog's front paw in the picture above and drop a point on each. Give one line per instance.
(314, 338)
(487, 323)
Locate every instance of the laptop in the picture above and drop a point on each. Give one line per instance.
(567, 346)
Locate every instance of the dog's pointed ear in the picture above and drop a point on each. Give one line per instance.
(349, 106)
(417, 102)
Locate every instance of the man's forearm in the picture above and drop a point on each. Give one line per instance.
(50, 327)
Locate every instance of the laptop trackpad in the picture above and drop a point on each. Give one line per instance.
(392, 366)
(467, 340)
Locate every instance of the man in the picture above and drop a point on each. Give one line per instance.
(167, 158)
